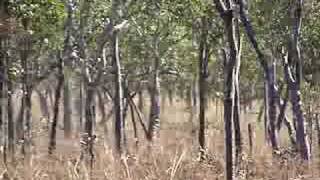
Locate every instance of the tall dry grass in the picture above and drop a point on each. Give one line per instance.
(173, 156)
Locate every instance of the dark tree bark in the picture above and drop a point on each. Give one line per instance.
(226, 13)
(140, 100)
(317, 124)
(301, 136)
(294, 80)
(118, 99)
(250, 138)
(236, 110)
(2, 88)
(154, 122)
(272, 107)
(26, 120)
(203, 84)
(20, 120)
(283, 119)
(11, 138)
(89, 122)
(134, 124)
(53, 130)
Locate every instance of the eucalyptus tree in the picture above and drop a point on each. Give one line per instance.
(293, 84)
(231, 58)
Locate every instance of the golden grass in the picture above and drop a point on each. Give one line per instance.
(174, 156)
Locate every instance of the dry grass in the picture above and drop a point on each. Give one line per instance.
(174, 156)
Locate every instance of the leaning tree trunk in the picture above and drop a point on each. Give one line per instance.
(295, 98)
(294, 80)
(203, 84)
(270, 92)
(53, 131)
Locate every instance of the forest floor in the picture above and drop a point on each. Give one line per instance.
(173, 156)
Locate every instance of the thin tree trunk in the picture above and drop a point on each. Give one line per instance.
(272, 110)
(53, 131)
(301, 136)
(250, 138)
(2, 89)
(43, 104)
(101, 107)
(154, 123)
(20, 120)
(118, 100)
(236, 115)
(295, 81)
(140, 100)
(11, 139)
(27, 92)
(89, 123)
(67, 113)
(203, 76)
(5, 98)
(230, 61)
(134, 124)
(318, 128)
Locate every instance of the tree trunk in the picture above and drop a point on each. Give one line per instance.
(43, 104)
(230, 61)
(154, 123)
(27, 93)
(301, 136)
(272, 110)
(250, 139)
(203, 85)
(140, 100)
(101, 107)
(5, 100)
(89, 123)
(294, 81)
(67, 113)
(118, 100)
(134, 125)
(11, 139)
(318, 128)
(53, 131)
(236, 110)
